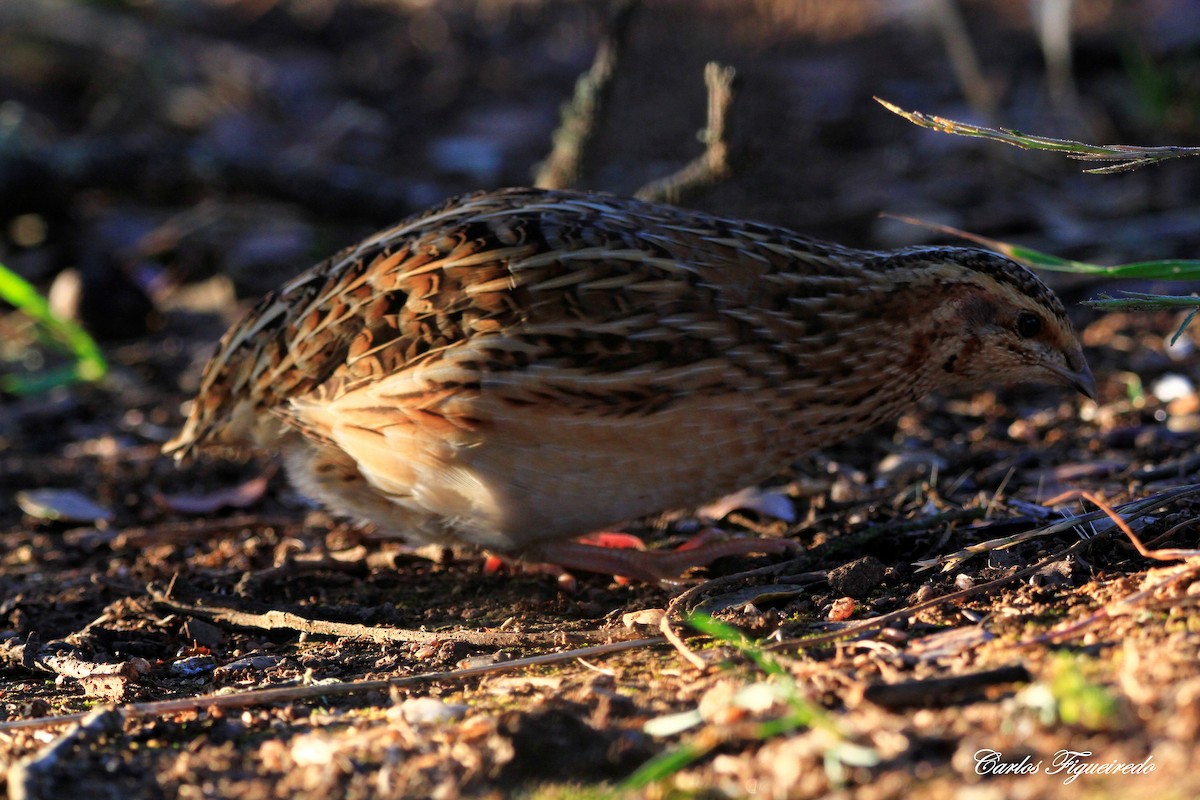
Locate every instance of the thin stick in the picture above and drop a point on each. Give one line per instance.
(689, 655)
(581, 118)
(1173, 575)
(714, 165)
(672, 611)
(286, 694)
(274, 620)
(941, 691)
(883, 620)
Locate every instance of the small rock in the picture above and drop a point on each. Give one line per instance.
(193, 666)
(924, 593)
(1054, 574)
(649, 617)
(909, 466)
(842, 609)
(484, 660)
(429, 711)
(858, 578)
(255, 663)
(1172, 386)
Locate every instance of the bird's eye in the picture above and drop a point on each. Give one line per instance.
(1028, 325)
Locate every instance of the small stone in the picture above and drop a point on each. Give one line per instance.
(203, 633)
(858, 578)
(193, 666)
(429, 711)
(924, 593)
(842, 609)
(649, 617)
(1172, 386)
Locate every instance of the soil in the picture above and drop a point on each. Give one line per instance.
(206, 632)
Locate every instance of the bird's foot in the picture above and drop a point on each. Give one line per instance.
(623, 555)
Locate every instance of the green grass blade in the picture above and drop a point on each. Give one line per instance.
(1183, 325)
(663, 766)
(1176, 269)
(734, 638)
(1140, 301)
(89, 361)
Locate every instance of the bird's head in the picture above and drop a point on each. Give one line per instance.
(992, 320)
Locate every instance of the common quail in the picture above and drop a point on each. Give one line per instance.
(516, 368)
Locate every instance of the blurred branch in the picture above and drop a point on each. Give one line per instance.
(1143, 301)
(713, 166)
(947, 17)
(1052, 20)
(581, 118)
(1130, 156)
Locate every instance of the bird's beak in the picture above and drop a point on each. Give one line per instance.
(1080, 378)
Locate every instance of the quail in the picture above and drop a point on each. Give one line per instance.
(513, 369)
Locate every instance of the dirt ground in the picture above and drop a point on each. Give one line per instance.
(205, 632)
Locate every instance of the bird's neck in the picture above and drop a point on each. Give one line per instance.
(869, 347)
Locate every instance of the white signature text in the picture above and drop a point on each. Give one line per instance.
(1068, 763)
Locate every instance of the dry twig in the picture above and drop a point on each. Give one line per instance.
(714, 165)
(287, 694)
(1124, 157)
(274, 620)
(682, 603)
(109, 681)
(581, 118)
(1131, 512)
(1158, 580)
(874, 623)
(941, 691)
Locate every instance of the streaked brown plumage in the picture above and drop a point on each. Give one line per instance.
(513, 369)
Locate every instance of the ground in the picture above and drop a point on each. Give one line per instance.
(181, 159)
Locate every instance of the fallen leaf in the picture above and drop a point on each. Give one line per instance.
(62, 505)
(243, 495)
(761, 501)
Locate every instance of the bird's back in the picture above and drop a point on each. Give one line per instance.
(585, 296)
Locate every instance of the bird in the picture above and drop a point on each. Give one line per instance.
(514, 369)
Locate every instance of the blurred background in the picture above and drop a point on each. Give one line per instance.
(253, 137)
(163, 161)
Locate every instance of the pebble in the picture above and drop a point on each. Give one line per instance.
(193, 666)
(429, 711)
(1172, 386)
(858, 578)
